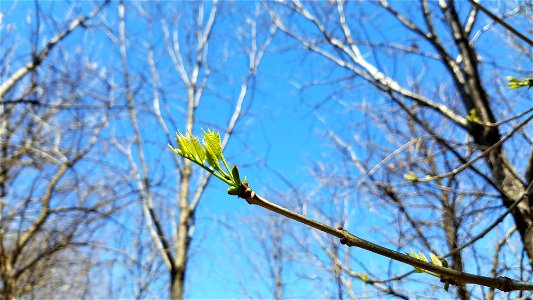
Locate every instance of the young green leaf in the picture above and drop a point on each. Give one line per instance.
(234, 190)
(444, 263)
(364, 277)
(210, 150)
(185, 146)
(514, 83)
(177, 151)
(212, 159)
(235, 175)
(423, 257)
(472, 116)
(414, 254)
(212, 139)
(435, 260)
(198, 149)
(411, 177)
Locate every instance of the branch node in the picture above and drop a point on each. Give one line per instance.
(345, 240)
(246, 193)
(506, 284)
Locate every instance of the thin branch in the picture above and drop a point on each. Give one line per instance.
(483, 154)
(255, 58)
(387, 190)
(527, 193)
(365, 70)
(365, 279)
(154, 226)
(501, 22)
(495, 261)
(471, 20)
(501, 283)
(8, 84)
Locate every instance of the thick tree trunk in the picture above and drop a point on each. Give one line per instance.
(9, 288)
(513, 187)
(474, 96)
(177, 278)
(176, 284)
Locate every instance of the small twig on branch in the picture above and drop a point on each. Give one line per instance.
(483, 154)
(527, 193)
(501, 283)
(501, 22)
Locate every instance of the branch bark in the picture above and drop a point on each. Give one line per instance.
(501, 283)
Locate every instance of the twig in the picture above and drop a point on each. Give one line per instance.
(501, 22)
(8, 84)
(483, 154)
(527, 193)
(501, 283)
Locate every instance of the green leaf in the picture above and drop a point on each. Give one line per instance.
(177, 151)
(472, 116)
(423, 257)
(435, 260)
(364, 277)
(185, 146)
(208, 155)
(212, 160)
(411, 177)
(234, 190)
(514, 83)
(212, 139)
(446, 286)
(235, 175)
(414, 254)
(198, 149)
(444, 263)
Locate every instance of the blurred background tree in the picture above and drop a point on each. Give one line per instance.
(94, 205)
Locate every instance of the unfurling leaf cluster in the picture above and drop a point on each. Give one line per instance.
(515, 83)
(210, 152)
(411, 177)
(472, 116)
(434, 260)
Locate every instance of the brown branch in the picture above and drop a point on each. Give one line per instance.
(360, 66)
(8, 84)
(483, 154)
(501, 283)
(495, 264)
(154, 225)
(45, 211)
(501, 22)
(526, 195)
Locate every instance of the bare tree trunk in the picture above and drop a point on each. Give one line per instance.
(513, 189)
(475, 98)
(9, 291)
(183, 238)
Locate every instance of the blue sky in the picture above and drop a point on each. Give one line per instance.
(284, 127)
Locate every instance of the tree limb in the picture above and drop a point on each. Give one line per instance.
(501, 22)
(501, 283)
(39, 58)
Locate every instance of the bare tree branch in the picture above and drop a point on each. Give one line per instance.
(501, 283)
(8, 84)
